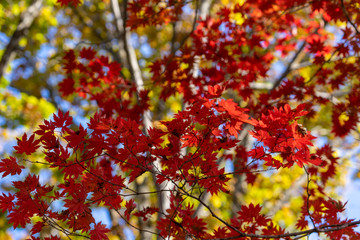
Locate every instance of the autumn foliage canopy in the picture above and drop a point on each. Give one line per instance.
(253, 82)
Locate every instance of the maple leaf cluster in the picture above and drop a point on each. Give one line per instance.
(279, 132)
(74, 3)
(88, 156)
(100, 162)
(153, 12)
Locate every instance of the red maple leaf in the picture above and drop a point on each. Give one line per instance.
(19, 217)
(130, 206)
(63, 3)
(37, 227)
(77, 205)
(215, 91)
(146, 212)
(76, 139)
(73, 169)
(66, 87)
(10, 166)
(27, 146)
(99, 232)
(62, 120)
(7, 202)
(251, 213)
(87, 53)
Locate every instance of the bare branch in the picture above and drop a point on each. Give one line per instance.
(289, 66)
(182, 42)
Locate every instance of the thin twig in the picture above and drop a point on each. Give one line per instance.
(289, 66)
(348, 17)
(308, 197)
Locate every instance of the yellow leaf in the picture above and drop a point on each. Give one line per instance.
(343, 118)
(23, 42)
(199, 127)
(307, 72)
(175, 106)
(216, 201)
(238, 18)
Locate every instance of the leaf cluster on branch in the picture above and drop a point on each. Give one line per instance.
(188, 172)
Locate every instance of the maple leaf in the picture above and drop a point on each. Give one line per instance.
(62, 120)
(272, 229)
(114, 71)
(66, 86)
(302, 223)
(220, 232)
(344, 119)
(76, 139)
(317, 45)
(87, 53)
(145, 212)
(30, 184)
(19, 217)
(154, 138)
(37, 227)
(215, 91)
(10, 166)
(215, 184)
(99, 232)
(257, 152)
(77, 205)
(233, 110)
(130, 206)
(251, 213)
(7, 202)
(72, 169)
(27, 146)
(63, 3)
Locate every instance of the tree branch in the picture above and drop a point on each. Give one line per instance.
(289, 67)
(323, 229)
(26, 20)
(124, 32)
(308, 197)
(107, 42)
(134, 67)
(203, 12)
(348, 17)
